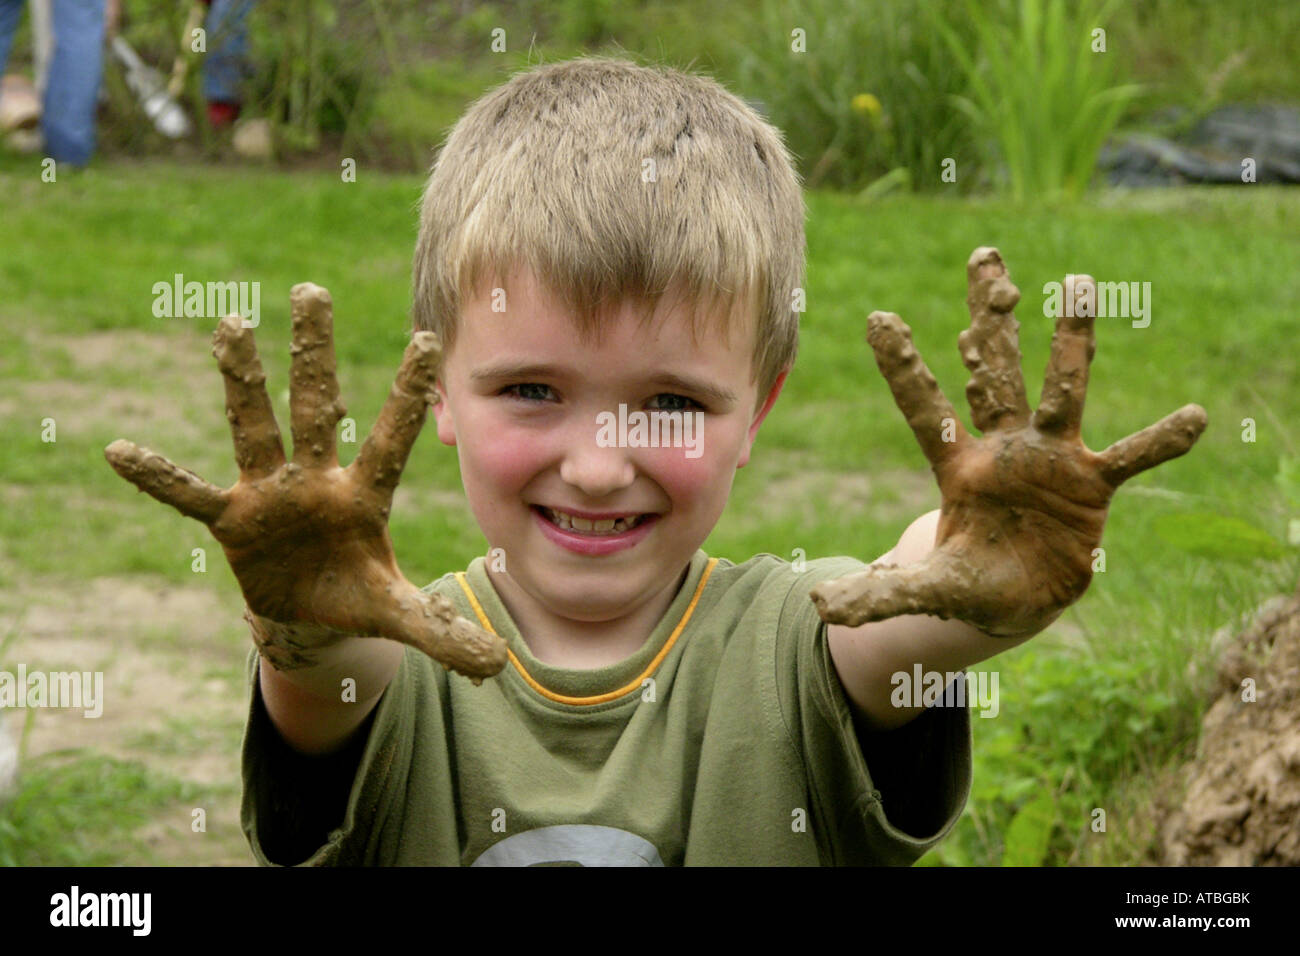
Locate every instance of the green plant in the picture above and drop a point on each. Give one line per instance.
(1199, 54)
(1043, 90)
(861, 92)
(1073, 723)
(1029, 832)
(1218, 536)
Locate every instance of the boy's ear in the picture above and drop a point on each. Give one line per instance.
(758, 418)
(442, 413)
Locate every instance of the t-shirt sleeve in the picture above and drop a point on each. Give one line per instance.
(348, 809)
(878, 798)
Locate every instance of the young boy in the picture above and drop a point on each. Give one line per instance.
(595, 237)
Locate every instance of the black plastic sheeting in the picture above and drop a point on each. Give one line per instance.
(1212, 151)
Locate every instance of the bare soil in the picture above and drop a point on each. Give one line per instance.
(173, 695)
(1239, 799)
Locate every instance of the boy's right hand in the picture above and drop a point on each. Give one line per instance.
(307, 540)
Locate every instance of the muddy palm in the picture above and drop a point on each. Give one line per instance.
(307, 540)
(1024, 505)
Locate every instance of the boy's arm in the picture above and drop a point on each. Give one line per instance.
(307, 539)
(306, 704)
(298, 798)
(866, 657)
(1023, 507)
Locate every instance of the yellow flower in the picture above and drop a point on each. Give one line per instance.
(866, 103)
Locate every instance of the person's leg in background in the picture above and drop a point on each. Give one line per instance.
(223, 66)
(11, 12)
(20, 100)
(76, 69)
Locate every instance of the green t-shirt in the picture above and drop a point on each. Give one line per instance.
(727, 739)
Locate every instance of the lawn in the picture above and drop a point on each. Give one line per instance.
(1092, 712)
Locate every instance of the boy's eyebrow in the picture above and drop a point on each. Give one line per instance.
(715, 393)
(515, 370)
(509, 370)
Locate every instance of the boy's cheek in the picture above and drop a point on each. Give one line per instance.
(510, 458)
(685, 478)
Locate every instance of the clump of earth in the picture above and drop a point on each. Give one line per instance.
(1241, 806)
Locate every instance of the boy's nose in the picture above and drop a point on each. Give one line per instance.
(595, 470)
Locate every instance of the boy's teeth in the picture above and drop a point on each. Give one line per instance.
(574, 523)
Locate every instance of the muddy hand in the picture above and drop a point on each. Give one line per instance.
(307, 540)
(1024, 505)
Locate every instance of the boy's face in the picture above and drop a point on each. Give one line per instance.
(527, 441)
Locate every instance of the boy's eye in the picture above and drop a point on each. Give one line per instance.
(536, 392)
(526, 391)
(674, 407)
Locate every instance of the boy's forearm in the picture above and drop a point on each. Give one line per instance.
(897, 645)
(873, 653)
(303, 686)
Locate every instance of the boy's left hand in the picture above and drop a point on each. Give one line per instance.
(1024, 505)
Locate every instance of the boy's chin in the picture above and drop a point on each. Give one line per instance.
(590, 594)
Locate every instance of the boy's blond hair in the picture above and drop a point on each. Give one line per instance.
(553, 170)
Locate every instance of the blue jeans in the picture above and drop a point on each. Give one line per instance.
(227, 43)
(76, 67)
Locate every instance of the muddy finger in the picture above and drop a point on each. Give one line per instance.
(314, 403)
(258, 448)
(1060, 410)
(1168, 438)
(943, 585)
(918, 396)
(990, 348)
(168, 482)
(384, 454)
(882, 592)
(431, 624)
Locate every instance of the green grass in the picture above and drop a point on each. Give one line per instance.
(1113, 692)
(182, 735)
(79, 809)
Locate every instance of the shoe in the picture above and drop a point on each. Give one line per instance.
(222, 114)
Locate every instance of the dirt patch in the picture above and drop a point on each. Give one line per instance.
(81, 410)
(128, 349)
(1240, 802)
(883, 494)
(169, 367)
(409, 500)
(795, 489)
(173, 695)
(84, 616)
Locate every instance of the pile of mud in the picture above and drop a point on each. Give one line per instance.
(1242, 799)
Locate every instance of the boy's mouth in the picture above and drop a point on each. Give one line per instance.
(596, 528)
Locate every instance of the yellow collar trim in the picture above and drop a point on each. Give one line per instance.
(632, 685)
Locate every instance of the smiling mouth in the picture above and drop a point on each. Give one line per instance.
(595, 529)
